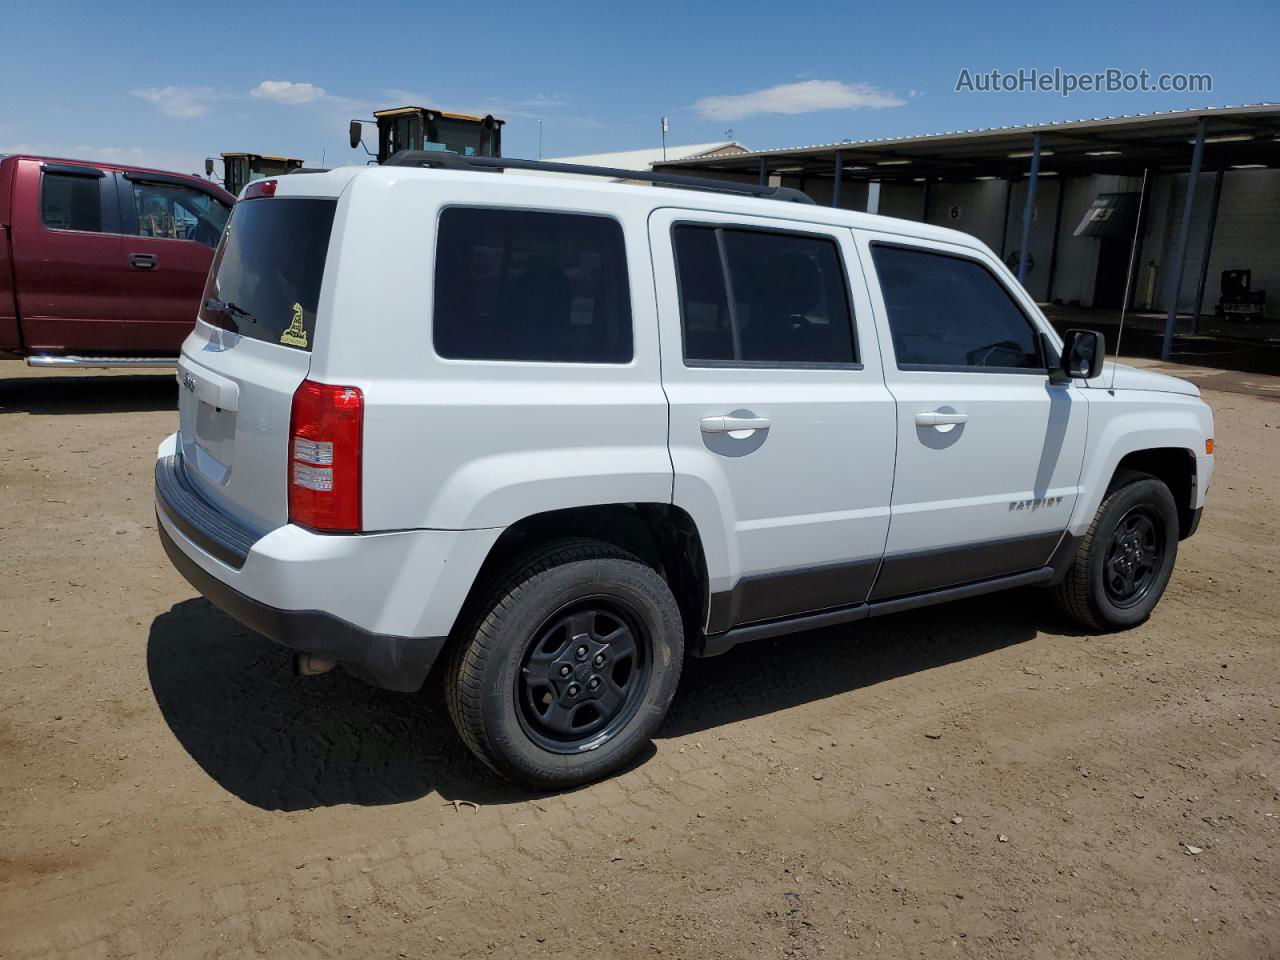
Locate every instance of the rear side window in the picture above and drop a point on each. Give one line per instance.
(751, 296)
(71, 203)
(950, 312)
(265, 279)
(532, 286)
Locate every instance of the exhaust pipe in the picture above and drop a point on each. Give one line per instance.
(309, 665)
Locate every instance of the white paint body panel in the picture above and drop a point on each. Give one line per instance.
(1023, 438)
(813, 489)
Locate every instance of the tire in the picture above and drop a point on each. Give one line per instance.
(1093, 592)
(509, 694)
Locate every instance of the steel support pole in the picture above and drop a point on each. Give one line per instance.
(1208, 249)
(835, 185)
(1053, 250)
(1184, 236)
(764, 174)
(1144, 207)
(924, 207)
(1025, 252)
(1004, 221)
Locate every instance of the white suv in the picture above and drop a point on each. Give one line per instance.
(560, 433)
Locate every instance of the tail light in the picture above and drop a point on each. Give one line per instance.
(325, 431)
(260, 188)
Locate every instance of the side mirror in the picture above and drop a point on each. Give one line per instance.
(208, 166)
(354, 132)
(1082, 354)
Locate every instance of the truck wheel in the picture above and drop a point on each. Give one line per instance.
(567, 666)
(1124, 562)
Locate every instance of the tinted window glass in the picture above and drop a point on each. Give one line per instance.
(265, 279)
(71, 203)
(704, 304)
(172, 212)
(949, 311)
(520, 285)
(789, 302)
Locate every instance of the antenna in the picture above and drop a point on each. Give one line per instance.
(1128, 278)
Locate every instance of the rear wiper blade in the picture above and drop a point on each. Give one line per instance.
(226, 306)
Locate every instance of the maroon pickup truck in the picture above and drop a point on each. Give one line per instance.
(102, 264)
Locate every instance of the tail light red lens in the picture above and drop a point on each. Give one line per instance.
(325, 435)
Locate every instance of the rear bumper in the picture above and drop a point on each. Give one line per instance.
(381, 603)
(395, 663)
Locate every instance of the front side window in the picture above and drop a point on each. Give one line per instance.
(69, 202)
(172, 212)
(951, 312)
(532, 286)
(753, 296)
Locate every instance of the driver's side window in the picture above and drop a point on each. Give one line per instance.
(950, 313)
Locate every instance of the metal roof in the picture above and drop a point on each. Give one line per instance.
(645, 159)
(1235, 135)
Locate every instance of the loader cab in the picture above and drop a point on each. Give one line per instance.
(239, 169)
(424, 128)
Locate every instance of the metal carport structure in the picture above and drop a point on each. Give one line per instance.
(1185, 141)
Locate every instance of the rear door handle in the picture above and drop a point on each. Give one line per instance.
(142, 261)
(733, 424)
(936, 418)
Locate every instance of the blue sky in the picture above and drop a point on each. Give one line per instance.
(156, 85)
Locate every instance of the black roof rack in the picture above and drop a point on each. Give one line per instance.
(447, 160)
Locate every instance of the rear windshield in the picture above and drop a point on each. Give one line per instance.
(265, 278)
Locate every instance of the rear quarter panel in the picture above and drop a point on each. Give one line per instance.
(457, 444)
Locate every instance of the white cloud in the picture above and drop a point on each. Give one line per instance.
(807, 96)
(287, 92)
(182, 103)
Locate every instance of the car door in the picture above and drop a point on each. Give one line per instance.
(781, 429)
(67, 258)
(171, 230)
(989, 447)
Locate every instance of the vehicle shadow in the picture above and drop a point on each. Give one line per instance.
(281, 742)
(128, 393)
(772, 675)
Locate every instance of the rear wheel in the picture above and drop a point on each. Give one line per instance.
(568, 665)
(1125, 560)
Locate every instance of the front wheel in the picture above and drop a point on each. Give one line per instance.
(568, 666)
(1124, 562)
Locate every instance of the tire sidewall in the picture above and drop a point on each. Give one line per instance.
(1150, 492)
(648, 598)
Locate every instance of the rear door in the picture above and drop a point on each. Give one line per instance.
(171, 229)
(242, 364)
(989, 448)
(780, 422)
(67, 258)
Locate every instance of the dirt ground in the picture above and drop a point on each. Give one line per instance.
(976, 780)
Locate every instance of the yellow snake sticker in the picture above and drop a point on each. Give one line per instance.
(296, 334)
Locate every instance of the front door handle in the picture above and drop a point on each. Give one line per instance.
(937, 418)
(733, 424)
(142, 261)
